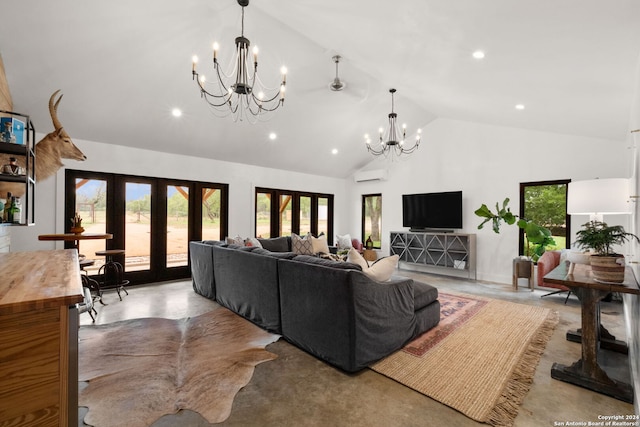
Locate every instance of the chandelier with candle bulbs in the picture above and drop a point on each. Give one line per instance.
(394, 143)
(240, 92)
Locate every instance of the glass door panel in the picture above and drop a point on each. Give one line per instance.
(211, 214)
(263, 215)
(137, 226)
(304, 215)
(177, 226)
(323, 216)
(91, 205)
(285, 214)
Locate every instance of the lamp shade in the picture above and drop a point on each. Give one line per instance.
(599, 196)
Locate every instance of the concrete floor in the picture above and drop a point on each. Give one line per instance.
(297, 389)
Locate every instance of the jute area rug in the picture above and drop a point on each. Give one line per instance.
(139, 370)
(480, 359)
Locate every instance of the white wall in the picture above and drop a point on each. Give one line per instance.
(487, 163)
(242, 180)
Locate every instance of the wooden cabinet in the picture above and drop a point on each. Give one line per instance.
(39, 336)
(23, 183)
(446, 253)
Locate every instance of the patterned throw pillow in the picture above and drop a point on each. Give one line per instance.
(301, 245)
(235, 240)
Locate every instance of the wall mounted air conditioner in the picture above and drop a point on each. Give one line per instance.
(371, 175)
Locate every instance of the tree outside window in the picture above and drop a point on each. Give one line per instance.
(372, 219)
(545, 203)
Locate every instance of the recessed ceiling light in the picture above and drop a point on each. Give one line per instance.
(519, 106)
(334, 151)
(478, 54)
(272, 136)
(176, 112)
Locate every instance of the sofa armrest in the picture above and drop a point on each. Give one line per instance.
(201, 260)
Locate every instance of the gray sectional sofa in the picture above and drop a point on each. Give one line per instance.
(328, 308)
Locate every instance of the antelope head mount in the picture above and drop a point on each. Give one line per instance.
(50, 151)
(55, 146)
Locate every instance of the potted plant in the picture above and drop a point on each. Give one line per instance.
(606, 264)
(534, 233)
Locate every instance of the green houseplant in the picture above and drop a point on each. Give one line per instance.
(539, 236)
(606, 264)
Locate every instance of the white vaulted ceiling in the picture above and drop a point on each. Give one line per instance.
(124, 65)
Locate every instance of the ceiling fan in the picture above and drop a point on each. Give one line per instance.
(337, 85)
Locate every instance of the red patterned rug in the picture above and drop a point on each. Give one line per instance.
(454, 311)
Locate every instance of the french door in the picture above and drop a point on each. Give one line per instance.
(152, 219)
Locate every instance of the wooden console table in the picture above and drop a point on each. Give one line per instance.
(39, 336)
(586, 372)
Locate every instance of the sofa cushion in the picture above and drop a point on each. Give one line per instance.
(276, 244)
(242, 247)
(327, 262)
(301, 245)
(213, 242)
(423, 294)
(281, 255)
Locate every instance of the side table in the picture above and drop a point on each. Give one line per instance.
(369, 254)
(522, 268)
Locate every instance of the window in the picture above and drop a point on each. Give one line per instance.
(372, 219)
(282, 212)
(545, 203)
(152, 219)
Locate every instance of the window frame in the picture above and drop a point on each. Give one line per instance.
(115, 221)
(363, 218)
(275, 195)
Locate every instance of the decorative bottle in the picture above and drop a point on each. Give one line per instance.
(7, 205)
(17, 210)
(369, 243)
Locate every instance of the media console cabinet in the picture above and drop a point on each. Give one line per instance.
(436, 252)
(39, 338)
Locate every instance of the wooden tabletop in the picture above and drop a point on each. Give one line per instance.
(74, 237)
(583, 277)
(39, 279)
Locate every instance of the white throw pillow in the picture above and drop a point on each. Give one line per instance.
(252, 241)
(344, 241)
(382, 269)
(320, 244)
(354, 257)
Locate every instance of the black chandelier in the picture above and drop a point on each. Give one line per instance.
(240, 93)
(395, 142)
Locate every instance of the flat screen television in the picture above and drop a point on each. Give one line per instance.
(439, 211)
